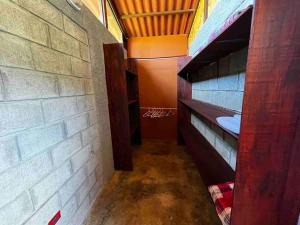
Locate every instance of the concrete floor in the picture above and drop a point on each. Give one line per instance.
(164, 189)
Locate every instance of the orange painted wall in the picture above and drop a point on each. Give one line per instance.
(158, 88)
(157, 46)
(157, 71)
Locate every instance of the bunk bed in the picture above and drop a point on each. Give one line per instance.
(123, 104)
(234, 36)
(238, 194)
(215, 171)
(132, 85)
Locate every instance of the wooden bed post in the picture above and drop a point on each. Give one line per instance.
(184, 91)
(118, 105)
(267, 185)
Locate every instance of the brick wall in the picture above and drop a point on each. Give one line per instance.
(55, 144)
(221, 83)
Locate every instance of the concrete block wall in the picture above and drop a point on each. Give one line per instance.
(212, 26)
(224, 144)
(221, 83)
(55, 144)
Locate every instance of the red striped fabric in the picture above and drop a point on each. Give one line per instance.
(222, 195)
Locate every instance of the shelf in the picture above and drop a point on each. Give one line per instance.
(133, 130)
(131, 102)
(130, 73)
(205, 156)
(234, 35)
(210, 112)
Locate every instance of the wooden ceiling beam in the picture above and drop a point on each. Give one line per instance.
(165, 13)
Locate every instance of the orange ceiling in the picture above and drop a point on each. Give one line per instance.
(142, 18)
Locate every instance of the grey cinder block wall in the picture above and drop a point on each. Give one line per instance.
(222, 82)
(55, 144)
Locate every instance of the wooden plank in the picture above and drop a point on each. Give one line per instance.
(184, 91)
(237, 27)
(267, 186)
(210, 112)
(133, 101)
(164, 13)
(212, 167)
(182, 61)
(131, 66)
(118, 105)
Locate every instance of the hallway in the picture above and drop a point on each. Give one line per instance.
(164, 189)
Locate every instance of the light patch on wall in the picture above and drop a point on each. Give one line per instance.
(211, 6)
(199, 19)
(96, 7)
(113, 25)
(197, 23)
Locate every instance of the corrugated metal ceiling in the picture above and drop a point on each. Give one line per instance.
(142, 18)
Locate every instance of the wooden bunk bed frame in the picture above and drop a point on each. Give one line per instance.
(267, 176)
(123, 104)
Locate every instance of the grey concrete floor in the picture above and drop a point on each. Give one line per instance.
(165, 188)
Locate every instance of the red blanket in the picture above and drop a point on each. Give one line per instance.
(222, 197)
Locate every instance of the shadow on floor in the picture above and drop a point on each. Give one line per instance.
(164, 189)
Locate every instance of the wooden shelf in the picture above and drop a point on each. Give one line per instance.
(205, 156)
(234, 36)
(210, 112)
(133, 129)
(131, 102)
(131, 66)
(130, 73)
(116, 81)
